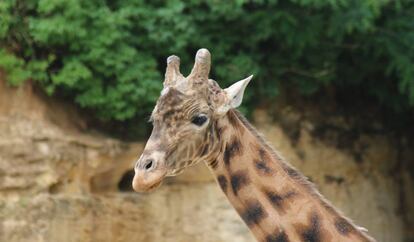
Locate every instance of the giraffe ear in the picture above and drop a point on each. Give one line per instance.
(234, 94)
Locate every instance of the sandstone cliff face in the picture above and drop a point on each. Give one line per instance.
(59, 180)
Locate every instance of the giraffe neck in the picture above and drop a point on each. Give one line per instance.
(275, 201)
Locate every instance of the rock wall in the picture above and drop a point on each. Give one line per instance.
(59, 180)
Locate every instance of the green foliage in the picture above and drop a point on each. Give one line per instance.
(109, 56)
(15, 68)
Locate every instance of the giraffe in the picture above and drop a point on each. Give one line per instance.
(195, 120)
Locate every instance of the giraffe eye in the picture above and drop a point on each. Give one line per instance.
(199, 119)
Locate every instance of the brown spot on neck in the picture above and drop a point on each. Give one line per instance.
(232, 149)
(277, 237)
(343, 226)
(262, 164)
(279, 201)
(239, 180)
(311, 232)
(253, 213)
(292, 172)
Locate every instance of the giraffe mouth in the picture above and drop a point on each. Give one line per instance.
(155, 186)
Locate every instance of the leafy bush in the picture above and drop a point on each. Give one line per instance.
(109, 56)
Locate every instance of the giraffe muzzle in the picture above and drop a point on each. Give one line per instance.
(148, 175)
(147, 181)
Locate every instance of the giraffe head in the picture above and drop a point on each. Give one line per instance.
(184, 121)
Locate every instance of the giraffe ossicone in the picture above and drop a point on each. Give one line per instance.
(195, 120)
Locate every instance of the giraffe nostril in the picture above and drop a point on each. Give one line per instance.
(149, 164)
